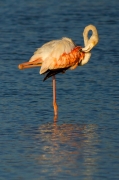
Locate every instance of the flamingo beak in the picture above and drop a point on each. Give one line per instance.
(88, 48)
(32, 64)
(92, 43)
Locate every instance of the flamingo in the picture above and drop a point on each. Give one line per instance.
(60, 55)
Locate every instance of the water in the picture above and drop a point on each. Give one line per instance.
(84, 142)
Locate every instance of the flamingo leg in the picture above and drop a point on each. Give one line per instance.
(54, 97)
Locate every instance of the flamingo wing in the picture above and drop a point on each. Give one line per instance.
(46, 50)
(55, 56)
(50, 73)
(64, 54)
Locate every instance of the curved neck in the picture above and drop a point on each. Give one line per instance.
(89, 43)
(86, 31)
(85, 36)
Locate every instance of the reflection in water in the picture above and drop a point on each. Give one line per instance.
(67, 149)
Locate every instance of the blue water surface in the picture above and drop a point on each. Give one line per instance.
(84, 142)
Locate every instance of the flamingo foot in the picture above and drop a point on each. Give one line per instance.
(55, 111)
(55, 108)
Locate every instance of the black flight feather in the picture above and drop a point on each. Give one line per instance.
(54, 72)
